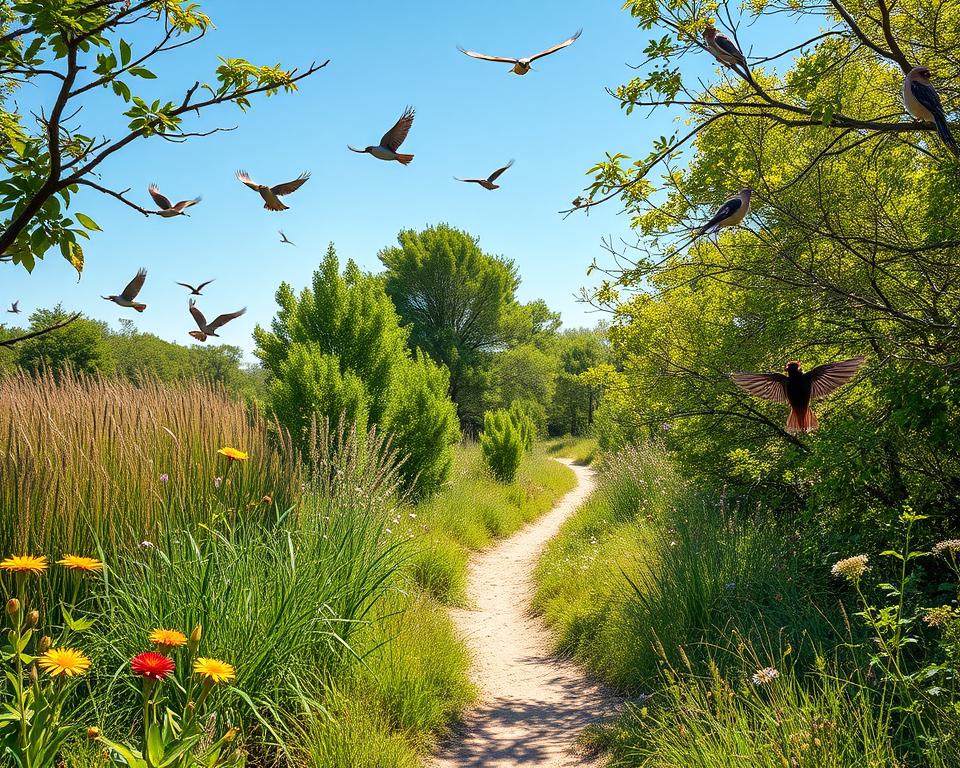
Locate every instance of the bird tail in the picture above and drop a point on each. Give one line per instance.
(138, 307)
(278, 206)
(405, 159)
(802, 421)
(944, 131)
(198, 335)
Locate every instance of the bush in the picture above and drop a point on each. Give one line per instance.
(502, 444)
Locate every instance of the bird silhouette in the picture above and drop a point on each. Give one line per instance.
(271, 195)
(798, 388)
(167, 209)
(15, 307)
(487, 183)
(522, 66)
(196, 291)
(126, 298)
(723, 48)
(923, 102)
(391, 141)
(731, 213)
(285, 239)
(210, 329)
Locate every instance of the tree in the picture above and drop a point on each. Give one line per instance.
(502, 443)
(455, 299)
(582, 353)
(80, 346)
(71, 49)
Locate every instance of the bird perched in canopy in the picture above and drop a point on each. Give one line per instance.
(729, 214)
(487, 183)
(15, 307)
(391, 141)
(798, 388)
(196, 291)
(168, 209)
(723, 48)
(522, 66)
(210, 329)
(923, 102)
(127, 296)
(271, 195)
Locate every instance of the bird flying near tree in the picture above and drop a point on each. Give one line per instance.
(285, 239)
(487, 183)
(127, 296)
(522, 66)
(923, 102)
(210, 329)
(271, 195)
(798, 388)
(15, 307)
(168, 209)
(729, 214)
(723, 49)
(391, 141)
(196, 291)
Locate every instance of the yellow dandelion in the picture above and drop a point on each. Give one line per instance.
(81, 563)
(25, 564)
(65, 662)
(168, 638)
(233, 454)
(214, 670)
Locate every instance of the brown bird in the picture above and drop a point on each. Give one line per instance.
(15, 307)
(196, 291)
(126, 298)
(798, 388)
(723, 48)
(487, 183)
(391, 141)
(522, 66)
(210, 329)
(272, 195)
(168, 209)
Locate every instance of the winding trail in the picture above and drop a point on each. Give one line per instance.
(533, 704)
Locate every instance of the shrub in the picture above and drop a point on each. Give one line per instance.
(502, 445)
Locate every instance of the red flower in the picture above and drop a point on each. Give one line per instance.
(153, 666)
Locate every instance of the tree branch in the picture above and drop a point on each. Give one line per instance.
(40, 332)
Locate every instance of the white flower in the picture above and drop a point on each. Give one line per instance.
(765, 676)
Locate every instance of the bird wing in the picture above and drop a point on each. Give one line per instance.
(186, 203)
(225, 318)
(726, 45)
(245, 178)
(769, 386)
(162, 201)
(557, 47)
(927, 96)
(484, 56)
(724, 212)
(205, 284)
(187, 285)
(496, 174)
(198, 316)
(15, 304)
(133, 287)
(291, 186)
(826, 378)
(393, 138)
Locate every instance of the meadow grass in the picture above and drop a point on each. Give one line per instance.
(581, 450)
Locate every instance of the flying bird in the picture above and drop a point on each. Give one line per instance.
(271, 195)
(522, 66)
(168, 209)
(126, 298)
(196, 291)
(923, 102)
(285, 239)
(210, 329)
(391, 141)
(723, 49)
(487, 183)
(798, 388)
(15, 307)
(729, 214)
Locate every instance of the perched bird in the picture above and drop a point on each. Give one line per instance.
(271, 195)
(15, 307)
(487, 183)
(729, 214)
(210, 329)
(923, 102)
(723, 48)
(522, 66)
(285, 239)
(167, 209)
(798, 388)
(391, 141)
(196, 291)
(126, 298)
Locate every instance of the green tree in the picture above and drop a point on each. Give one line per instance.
(502, 444)
(81, 345)
(577, 391)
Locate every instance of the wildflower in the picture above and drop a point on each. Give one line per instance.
(80, 563)
(65, 662)
(13, 606)
(45, 644)
(949, 547)
(765, 676)
(214, 670)
(164, 478)
(850, 568)
(217, 481)
(152, 666)
(938, 617)
(168, 638)
(93, 733)
(233, 454)
(147, 544)
(24, 564)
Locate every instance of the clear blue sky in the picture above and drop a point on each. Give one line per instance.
(472, 116)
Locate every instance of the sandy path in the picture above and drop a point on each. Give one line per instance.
(532, 703)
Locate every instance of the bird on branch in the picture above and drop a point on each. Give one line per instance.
(487, 183)
(723, 49)
(522, 66)
(923, 102)
(271, 195)
(391, 141)
(127, 296)
(731, 213)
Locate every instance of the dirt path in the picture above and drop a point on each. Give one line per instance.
(532, 703)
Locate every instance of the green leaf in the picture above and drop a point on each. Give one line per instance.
(143, 72)
(124, 52)
(154, 745)
(88, 222)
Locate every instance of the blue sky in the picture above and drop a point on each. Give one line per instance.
(472, 116)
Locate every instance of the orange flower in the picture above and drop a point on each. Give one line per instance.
(65, 662)
(233, 454)
(25, 564)
(168, 638)
(214, 670)
(80, 563)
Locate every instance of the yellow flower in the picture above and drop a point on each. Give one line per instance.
(213, 670)
(168, 638)
(233, 454)
(25, 564)
(63, 661)
(80, 563)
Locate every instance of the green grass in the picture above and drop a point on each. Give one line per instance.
(580, 450)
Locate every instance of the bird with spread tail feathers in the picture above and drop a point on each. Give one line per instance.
(271, 195)
(923, 102)
(127, 296)
(487, 183)
(196, 291)
(731, 213)
(285, 239)
(167, 209)
(15, 307)
(391, 141)
(798, 388)
(522, 66)
(210, 329)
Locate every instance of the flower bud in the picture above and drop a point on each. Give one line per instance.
(13, 606)
(231, 734)
(195, 636)
(93, 733)
(34, 677)
(33, 618)
(44, 645)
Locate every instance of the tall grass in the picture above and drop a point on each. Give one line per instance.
(581, 450)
